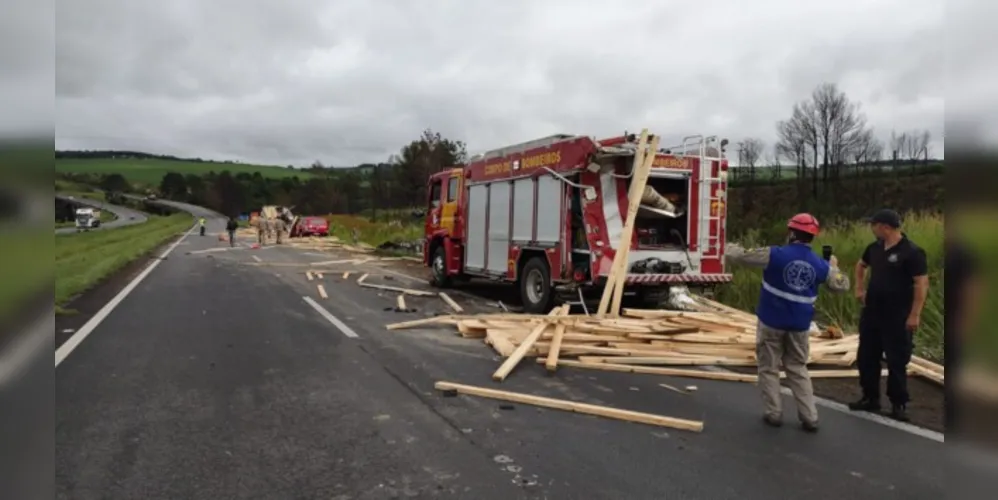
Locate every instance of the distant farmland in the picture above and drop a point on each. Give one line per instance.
(151, 171)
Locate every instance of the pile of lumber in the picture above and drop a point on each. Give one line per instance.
(326, 243)
(672, 343)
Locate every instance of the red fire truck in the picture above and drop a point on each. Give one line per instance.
(547, 215)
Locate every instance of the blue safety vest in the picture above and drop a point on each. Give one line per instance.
(790, 287)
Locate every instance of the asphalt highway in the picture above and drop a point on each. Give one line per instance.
(125, 216)
(216, 378)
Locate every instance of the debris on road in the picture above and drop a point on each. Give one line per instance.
(648, 341)
(322, 291)
(450, 302)
(572, 406)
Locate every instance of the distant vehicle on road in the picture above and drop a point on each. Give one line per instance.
(311, 226)
(87, 218)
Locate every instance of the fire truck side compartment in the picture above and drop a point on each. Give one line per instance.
(498, 226)
(474, 254)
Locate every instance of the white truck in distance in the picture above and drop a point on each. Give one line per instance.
(87, 218)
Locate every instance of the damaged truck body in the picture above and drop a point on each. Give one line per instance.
(547, 215)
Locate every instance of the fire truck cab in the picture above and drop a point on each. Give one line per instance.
(547, 215)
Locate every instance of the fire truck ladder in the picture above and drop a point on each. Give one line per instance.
(707, 152)
(523, 146)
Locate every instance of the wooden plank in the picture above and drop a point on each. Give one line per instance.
(926, 373)
(400, 301)
(929, 365)
(361, 278)
(322, 291)
(453, 305)
(638, 183)
(499, 343)
(618, 259)
(521, 350)
(418, 293)
(837, 373)
(470, 332)
(671, 372)
(552, 360)
(667, 360)
(585, 408)
(308, 275)
(346, 275)
(417, 322)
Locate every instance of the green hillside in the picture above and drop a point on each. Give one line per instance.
(151, 171)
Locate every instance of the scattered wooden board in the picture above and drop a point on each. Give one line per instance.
(585, 408)
(450, 302)
(410, 291)
(322, 291)
(401, 302)
(308, 274)
(521, 350)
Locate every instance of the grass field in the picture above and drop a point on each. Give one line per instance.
(149, 172)
(844, 309)
(374, 233)
(83, 260)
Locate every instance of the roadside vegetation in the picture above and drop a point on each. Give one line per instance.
(393, 229)
(848, 243)
(149, 172)
(84, 260)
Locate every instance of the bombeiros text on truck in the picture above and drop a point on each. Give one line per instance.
(547, 215)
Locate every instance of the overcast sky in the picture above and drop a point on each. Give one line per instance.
(351, 81)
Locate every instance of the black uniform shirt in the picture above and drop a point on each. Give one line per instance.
(892, 272)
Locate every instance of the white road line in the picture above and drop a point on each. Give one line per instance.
(258, 259)
(870, 417)
(341, 326)
(873, 417)
(73, 342)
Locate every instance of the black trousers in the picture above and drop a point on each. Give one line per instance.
(882, 333)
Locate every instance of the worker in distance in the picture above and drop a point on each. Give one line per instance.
(791, 276)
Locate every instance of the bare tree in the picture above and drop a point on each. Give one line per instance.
(898, 144)
(916, 145)
(839, 123)
(749, 154)
(798, 136)
(866, 148)
(776, 160)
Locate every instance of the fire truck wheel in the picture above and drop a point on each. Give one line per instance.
(439, 268)
(535, 286)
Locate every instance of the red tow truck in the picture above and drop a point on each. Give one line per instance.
(547, 215)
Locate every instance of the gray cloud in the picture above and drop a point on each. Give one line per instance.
(352, 81)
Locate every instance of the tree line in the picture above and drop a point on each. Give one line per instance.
(825, 141)
(826, 137)
(371, 188)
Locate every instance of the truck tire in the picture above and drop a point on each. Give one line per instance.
(535, 286)
(438, 268)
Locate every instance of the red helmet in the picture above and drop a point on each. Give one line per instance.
(805, 223)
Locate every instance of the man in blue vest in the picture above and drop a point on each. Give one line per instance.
(790, 279)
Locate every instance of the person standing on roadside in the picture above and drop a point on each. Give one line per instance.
(892, 309)
(261, 230)
(231, 227)
(791, 276)
(201, 223)
(279, 226)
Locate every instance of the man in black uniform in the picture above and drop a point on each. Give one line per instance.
(892, 309)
